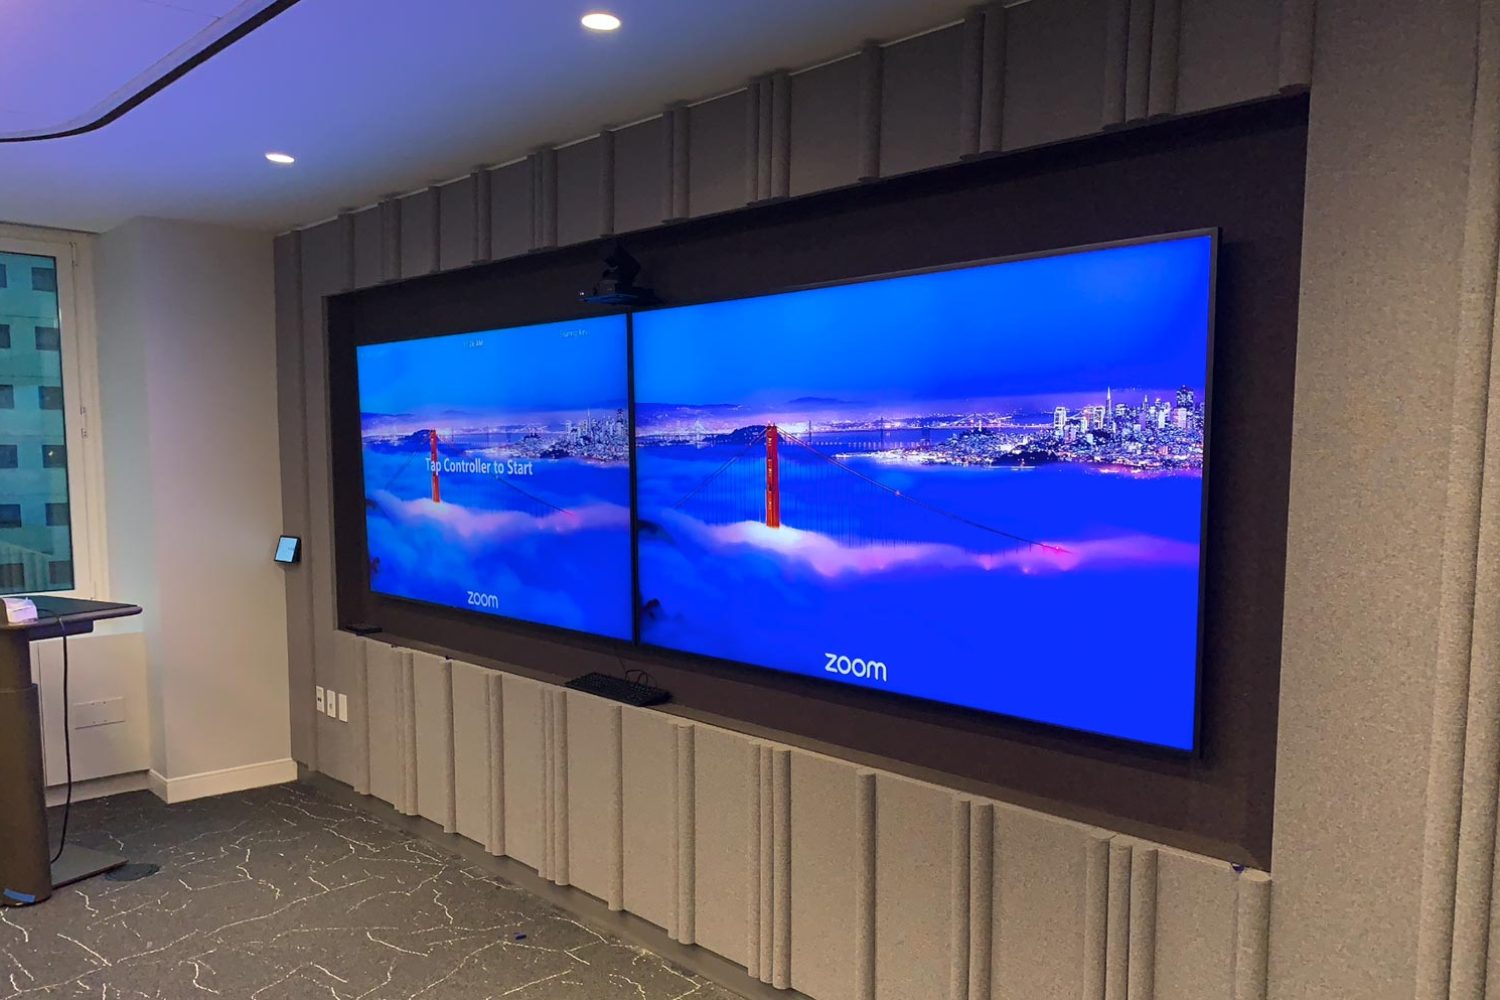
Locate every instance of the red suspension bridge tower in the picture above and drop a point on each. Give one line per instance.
(773, 478)
(437, 492)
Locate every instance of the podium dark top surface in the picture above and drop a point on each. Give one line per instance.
(56, 615)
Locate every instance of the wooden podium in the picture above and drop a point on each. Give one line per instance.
(26, 873)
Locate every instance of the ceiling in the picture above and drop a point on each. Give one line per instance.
(371, 96)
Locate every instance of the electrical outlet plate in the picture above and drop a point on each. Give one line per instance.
(343, 708)
(332, 704)
(318, 694)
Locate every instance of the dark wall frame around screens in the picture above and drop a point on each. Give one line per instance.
(1240, 170)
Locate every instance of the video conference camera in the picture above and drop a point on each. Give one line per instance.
(616, 286)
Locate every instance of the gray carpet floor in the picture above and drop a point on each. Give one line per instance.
(281, 893)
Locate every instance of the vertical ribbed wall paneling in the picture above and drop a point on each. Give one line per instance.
(368, 261)
(763, 135)
(675, 163)
(495, 704)
(1116, 59)
(1194, 929)
(432, 718)
(561, 818)
(971, 83)
(754, 145)
(1295, 52)
(1252, 935)
(1166, 52)
(865, 889)
(435, 200)
(524, 759)
(1117, 927)
(483, 234)
(1138, 60)
(722, 811)
(1141, 977)
(1096, 910)
(686, 849)
(406, 723)
(349, 649)
(766, 887)
(958, 899)
(757, 892)
(781, 868)
(607, 182)
(915, 888)
(382, 712)
(547, 802)
(992, 80)
(511, 211)
(824, 903)
(587, 805)
(871, 85)
(982, 889)
(347, 243)
(615, 899)
(781, 135)
(390, 239)
(546, 164)
(473, 753)
(649, 756)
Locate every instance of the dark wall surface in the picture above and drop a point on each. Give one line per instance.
(1239, 170)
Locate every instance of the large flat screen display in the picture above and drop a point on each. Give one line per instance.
(980, 486)
(497, 472)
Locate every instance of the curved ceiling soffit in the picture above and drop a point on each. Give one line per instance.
(121, 102)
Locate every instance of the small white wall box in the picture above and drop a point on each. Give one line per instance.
(289, 549)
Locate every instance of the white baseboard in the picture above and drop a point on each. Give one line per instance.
(231, 779)
(98, 788)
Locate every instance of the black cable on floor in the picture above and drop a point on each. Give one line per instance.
(67, 743)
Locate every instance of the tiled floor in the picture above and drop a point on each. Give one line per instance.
(281, 893)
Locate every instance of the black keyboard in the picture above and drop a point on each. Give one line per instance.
(619, 689)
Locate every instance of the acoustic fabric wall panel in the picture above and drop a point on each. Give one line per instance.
(432, 706)
(716, 149)
(1041, 894)
(721, 820)
(1195, 910)
(825, 132)
(472, 759)
(384, 667)
(919, 123)
(915, 867)
(823, 880)
(1054, 71)
(593, 793)
(510, 209)
(1228, 51)
(817, 875)
(650, 756)
(522, 721)
(367, 247)
(419, 232)
(579, 197)
(640, 175)
(456, 223)
(349, 650)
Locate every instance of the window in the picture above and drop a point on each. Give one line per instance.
(3, 281)
(47, 458)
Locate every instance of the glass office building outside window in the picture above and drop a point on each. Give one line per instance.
(36, 533)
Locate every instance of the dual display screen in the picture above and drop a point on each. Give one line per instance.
(980, 486)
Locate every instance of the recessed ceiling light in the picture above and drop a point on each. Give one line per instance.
(600, 21)
(282, 158)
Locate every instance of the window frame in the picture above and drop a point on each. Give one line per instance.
(73, 253)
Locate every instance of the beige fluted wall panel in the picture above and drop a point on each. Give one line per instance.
(823, 880)
(650, 816)
(919, 116)
(523, 769)
(825, 135)
(593, 769)
(472, 760)
(457, 222)
(721, 804)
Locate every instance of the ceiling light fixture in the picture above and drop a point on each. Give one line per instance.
(281, 158)
(600, 21)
